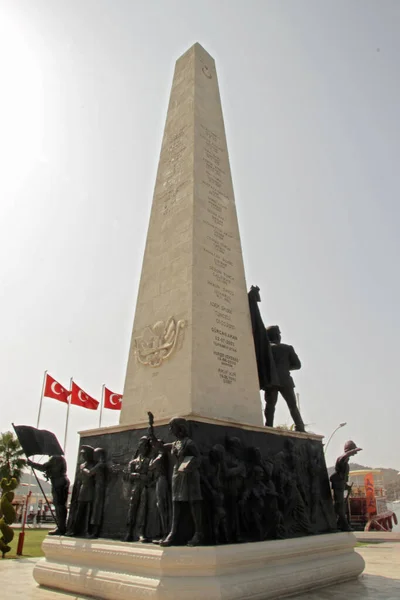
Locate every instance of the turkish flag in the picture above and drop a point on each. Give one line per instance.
(53, 389)
(81, 398)
(111, 400)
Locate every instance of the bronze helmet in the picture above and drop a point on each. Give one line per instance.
(350, 445)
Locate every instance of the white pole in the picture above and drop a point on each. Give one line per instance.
(102, 403)
(41, 399)
(332, 434)
(66, 422)
(38, 420)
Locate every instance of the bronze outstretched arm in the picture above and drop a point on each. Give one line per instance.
(38, 466)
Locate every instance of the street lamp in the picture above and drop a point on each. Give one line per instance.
(332, 434)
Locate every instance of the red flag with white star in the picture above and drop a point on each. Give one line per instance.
(53, 389)
(111, 400)
(81, 398)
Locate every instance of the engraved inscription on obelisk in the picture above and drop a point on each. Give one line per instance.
(192, 350)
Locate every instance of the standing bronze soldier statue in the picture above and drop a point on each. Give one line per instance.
(137, 475)
(55, 470)
(159, 467)
(98, 472)
(82, 495)
(274, 363)
(339, 481)
(235, 477)
(286, 360)
(185, 482)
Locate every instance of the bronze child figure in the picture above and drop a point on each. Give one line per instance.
(214, 481)
(138, 476)
(159, 467)
(185, 481)
(235, 476)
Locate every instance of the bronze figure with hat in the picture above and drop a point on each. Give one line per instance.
(339, 482)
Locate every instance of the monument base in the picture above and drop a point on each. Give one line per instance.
(120, 570)
(299, 475)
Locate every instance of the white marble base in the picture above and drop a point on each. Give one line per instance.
(113, 570)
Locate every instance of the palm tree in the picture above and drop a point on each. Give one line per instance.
(12, 462)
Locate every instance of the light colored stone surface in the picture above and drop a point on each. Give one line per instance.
(144, 424)
(193, 269)
(377, 536)
(117, 571)
(380, 580)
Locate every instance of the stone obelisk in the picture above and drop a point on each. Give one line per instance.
(192, 351)
(192, 355)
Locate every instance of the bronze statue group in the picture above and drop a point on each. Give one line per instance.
(226, 493)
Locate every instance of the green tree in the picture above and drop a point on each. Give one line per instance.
(12, 462)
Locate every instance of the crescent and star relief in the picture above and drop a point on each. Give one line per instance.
(159, 341)
(206, 72)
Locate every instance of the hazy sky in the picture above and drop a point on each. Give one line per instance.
(311, 96)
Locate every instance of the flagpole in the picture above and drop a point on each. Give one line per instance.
(102, 403)
(45, 497)
(41, 399)
(66, 422)
(38, 420)
(37, 479)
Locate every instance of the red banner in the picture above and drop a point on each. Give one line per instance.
(111, 400)
(53, 389)
(370, 494)
(81, 398)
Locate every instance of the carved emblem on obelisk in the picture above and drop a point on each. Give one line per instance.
(206, 72)
(159, 341)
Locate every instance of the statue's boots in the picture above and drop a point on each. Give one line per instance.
(57, 531)
(129, 536)
(269, 415)
(291, 401)
(300, 427)
(196, 540)
(169, 540)
(298, 421)
(343, 523)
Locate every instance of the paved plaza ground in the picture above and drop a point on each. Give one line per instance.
(380, 580)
